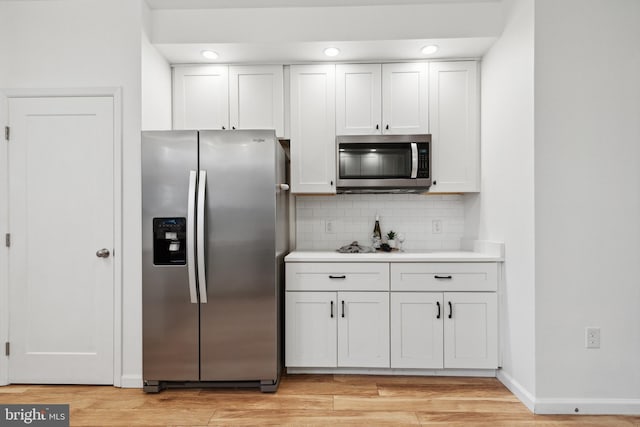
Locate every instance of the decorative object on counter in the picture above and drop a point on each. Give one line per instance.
(377, 234)
(385, 247)
(355, 248)
(401, 238)
(391, 238)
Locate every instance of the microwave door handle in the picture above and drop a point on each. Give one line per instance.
(414, 160)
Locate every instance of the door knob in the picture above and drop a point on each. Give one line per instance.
(103, 253)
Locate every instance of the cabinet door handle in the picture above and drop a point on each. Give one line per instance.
(342, 308)
(233, 127)
(377, 127)
(332, 309)
(387, 127)
(450, 310)
(438, 304)
(443, 277)
(337, 277)
(224, 128)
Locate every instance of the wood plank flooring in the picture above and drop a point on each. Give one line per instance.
(307, 400)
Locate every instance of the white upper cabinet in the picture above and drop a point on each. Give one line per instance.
(405, 96)
(313, 155)
(201, 97)
(382, 99)
(228, 97)
(256, 99)
(358, 99)
(454, 122)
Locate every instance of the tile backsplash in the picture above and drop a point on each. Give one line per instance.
(329, 222)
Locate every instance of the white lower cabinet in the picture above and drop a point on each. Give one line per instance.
(402, 315)
(416, 330)
(363, 329)
(337, 329)
(434, 330)
(311, 334)
(471, 330)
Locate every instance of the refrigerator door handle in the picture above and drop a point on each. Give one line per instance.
(191, 236)
(202, 262)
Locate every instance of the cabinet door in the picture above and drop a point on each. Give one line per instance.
(310, 329)
(256, 99)
(358, 99)
(471, 330)
(363, 329)
(453, 117)
(313, 129)
(416, 330)
(201, 97)
(405, 95)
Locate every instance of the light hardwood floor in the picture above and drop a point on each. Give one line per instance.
(307, 400)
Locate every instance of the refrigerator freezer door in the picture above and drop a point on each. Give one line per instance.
(170, 320)
(239, 323)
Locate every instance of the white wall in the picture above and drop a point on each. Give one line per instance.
(587, 202)
(302, 24)
(156, 81)
(89, 43)
(503, 211)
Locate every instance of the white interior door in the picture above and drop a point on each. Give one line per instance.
(61, 212)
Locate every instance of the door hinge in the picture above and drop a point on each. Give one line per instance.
(7, 132)
(7, 348)
(7, 240)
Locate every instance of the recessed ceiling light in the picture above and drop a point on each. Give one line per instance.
(332, 51)
(209, 54)
(428, 50)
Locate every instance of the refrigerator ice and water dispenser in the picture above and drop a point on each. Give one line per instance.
(169, 241)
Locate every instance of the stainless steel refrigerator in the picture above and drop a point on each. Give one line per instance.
(215, 232)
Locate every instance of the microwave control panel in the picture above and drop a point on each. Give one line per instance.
(423, 162)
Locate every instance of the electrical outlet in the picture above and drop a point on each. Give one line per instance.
(330, 226)
(592, 337)
(436, 226)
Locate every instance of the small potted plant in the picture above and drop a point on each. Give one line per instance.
(391, 238)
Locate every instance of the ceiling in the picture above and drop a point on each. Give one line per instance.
(236, 4)
(304, 52)
(396, 30)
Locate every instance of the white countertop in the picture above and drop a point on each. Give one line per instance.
(395, 256)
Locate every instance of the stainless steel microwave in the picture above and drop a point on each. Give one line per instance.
(383, 163)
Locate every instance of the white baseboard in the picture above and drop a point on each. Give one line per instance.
(517, 389)
(395, 371)
(131, 381)
(569, 406)
(581, 406)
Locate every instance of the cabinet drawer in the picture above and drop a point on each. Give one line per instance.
(312, 276)
(444, 276)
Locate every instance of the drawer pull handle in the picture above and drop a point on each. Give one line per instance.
(443, 277)
(342, 308)
(332, 309)
(450, 310)
(337, 277)
(438, 304)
